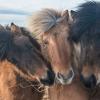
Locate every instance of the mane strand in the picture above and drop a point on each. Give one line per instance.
(43, 20)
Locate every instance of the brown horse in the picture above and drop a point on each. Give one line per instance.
(50, 25)
(55, 35)
(21, 66)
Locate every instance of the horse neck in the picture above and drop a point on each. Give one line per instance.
(15, 87)
(8, 80)
(74, 91)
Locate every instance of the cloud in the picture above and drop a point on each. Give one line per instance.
(19, 20)
(13, 11)
(18, 10)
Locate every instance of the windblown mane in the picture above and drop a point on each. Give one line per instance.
(44, 20)
(87, 21)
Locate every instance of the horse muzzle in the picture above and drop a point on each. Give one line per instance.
(89, 82)
(65, 79)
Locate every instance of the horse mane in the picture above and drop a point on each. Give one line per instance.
(44, 20)
(21, 31)
(5, 43)
(31, 38)
(18, 49)
(87, 21)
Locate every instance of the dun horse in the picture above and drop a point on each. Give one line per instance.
(54, 28)
(50, 24)
(21, 65)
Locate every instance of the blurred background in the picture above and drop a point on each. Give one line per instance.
(18, 11)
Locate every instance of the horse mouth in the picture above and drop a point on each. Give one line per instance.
(65, 81)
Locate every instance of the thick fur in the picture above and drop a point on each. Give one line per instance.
(58, 33)
(17, 50)
(20, 56)
(85, 37)
(42, 21)
(87, 20)
(86, 33)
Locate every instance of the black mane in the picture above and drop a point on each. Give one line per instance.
(5, 43)
(86, 34)
(87, 21)
(85, 37)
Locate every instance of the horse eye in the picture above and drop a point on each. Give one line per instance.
(55, 34)
(45, 42)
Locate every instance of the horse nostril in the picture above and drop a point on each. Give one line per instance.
(71, 74)
(60, 76)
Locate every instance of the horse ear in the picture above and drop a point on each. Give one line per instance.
(15, 28)
(1, 27)
(73, 14)
(65, 14)
(67, 17)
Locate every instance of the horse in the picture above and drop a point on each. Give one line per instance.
(85, 38)
(49, 25)
(22, 66)
(57, 47)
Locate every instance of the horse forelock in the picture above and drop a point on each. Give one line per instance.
(42, 21)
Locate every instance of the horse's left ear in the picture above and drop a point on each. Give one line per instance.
(65, 14)
(15, 28)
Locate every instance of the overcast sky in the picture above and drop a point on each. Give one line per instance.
(19, 10)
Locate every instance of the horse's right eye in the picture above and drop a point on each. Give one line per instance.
(45, 42)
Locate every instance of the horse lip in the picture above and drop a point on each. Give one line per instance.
(65, 82)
